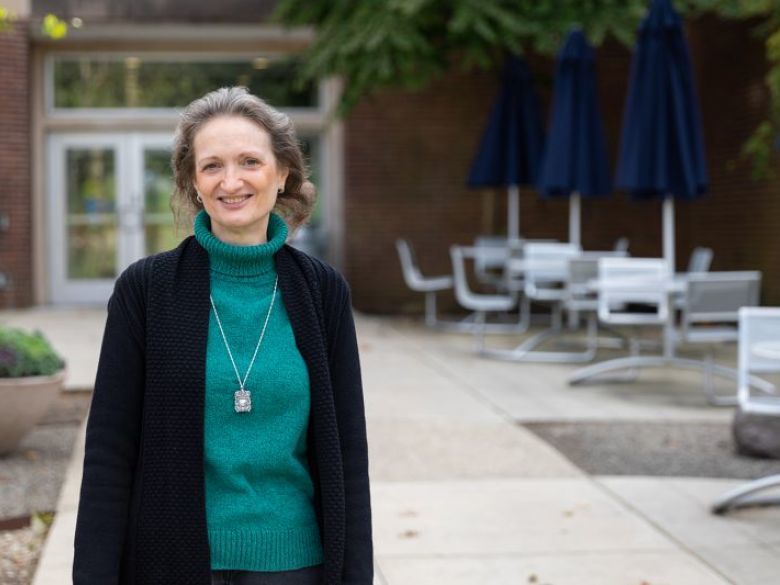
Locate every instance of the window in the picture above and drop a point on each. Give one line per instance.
(167, 82)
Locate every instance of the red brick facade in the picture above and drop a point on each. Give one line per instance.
(407, 156)
(15, 188)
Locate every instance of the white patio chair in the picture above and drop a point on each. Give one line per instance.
(545, 269)
(491, 254)
(490, 257)
(653, 290)
(483, 304)
(700, 260)
(759, 354)
(429, 285)
(621, 245)
(710, 314)
(631, 292)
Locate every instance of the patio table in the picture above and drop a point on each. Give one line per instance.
(674, 286)
(767, 349)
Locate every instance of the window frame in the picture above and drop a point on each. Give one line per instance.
(310, 117)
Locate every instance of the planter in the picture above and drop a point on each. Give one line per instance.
(24, 402)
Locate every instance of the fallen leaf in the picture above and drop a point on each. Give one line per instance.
(409, 534)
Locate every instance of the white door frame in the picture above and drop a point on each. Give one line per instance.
(129, 176)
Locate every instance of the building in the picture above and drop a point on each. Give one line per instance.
(86, 124)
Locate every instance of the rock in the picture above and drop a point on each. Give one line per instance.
(757, 435)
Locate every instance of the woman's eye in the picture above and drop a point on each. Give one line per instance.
(252, 162)
(210, 166)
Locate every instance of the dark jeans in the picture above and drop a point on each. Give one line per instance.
(305, 576)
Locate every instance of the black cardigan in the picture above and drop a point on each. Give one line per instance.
(142, 511)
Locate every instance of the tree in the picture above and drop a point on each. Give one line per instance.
(376, 44)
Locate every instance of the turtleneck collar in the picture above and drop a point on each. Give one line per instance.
(240, 260)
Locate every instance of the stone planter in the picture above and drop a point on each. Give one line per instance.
(757, 434)
(23, 403)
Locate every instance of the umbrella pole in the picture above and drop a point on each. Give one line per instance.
(669, 231)
(574, 218)
(513, 213)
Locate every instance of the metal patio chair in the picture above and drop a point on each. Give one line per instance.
(759, 354)
(482, 304)
(429, 285)
(544, 269)
(490, 256)
(621, 245)
(637, 291)
(710, 314)
(631, 292)
(700, 260)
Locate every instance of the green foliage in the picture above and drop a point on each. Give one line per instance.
(51, 26)
(376, 44)
(407, 43)
(6, 19)
(27, 354)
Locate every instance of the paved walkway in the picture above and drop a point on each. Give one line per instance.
(462, 495)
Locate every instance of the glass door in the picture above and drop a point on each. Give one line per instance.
(107, 207)
(158, 229)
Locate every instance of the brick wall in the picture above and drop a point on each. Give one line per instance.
(15, 188)
(740, 217)
(407, 156)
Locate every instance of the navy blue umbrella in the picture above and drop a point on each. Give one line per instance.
(511, 147)
(662, 149)
(575, 159)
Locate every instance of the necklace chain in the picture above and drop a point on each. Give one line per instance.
(241, 382)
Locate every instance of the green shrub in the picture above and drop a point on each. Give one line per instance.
(27, 354)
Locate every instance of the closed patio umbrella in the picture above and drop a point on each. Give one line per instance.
(511, 147)
(662, 149)
(575, 158)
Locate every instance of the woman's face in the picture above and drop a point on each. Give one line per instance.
(237, 177)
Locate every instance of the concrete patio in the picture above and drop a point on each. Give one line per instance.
(463, 494)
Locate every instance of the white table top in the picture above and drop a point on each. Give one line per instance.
(766, 349)
(674, 285)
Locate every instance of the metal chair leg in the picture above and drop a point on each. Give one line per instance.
(526, 352)
(737, 498)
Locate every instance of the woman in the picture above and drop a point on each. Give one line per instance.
(226, 439)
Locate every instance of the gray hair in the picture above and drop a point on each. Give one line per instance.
(294, 204)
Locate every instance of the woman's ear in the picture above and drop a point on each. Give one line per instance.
(283, 174)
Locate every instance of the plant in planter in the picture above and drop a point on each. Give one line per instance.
(31, 376)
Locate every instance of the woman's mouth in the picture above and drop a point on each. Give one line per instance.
(234, 200)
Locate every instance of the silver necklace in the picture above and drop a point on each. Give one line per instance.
(242, 399)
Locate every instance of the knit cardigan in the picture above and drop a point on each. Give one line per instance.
(142, 514)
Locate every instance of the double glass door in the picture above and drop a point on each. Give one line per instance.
(108, 205)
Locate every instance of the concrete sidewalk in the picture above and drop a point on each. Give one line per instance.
(461, 494)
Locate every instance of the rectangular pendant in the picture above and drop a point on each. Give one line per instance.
(242, 400)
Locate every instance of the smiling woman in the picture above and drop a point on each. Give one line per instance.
(231, 143)
(226, 440)
(237, 178)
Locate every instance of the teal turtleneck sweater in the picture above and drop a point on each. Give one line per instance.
(259, 494)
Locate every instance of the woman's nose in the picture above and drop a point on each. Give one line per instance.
(232, 179)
